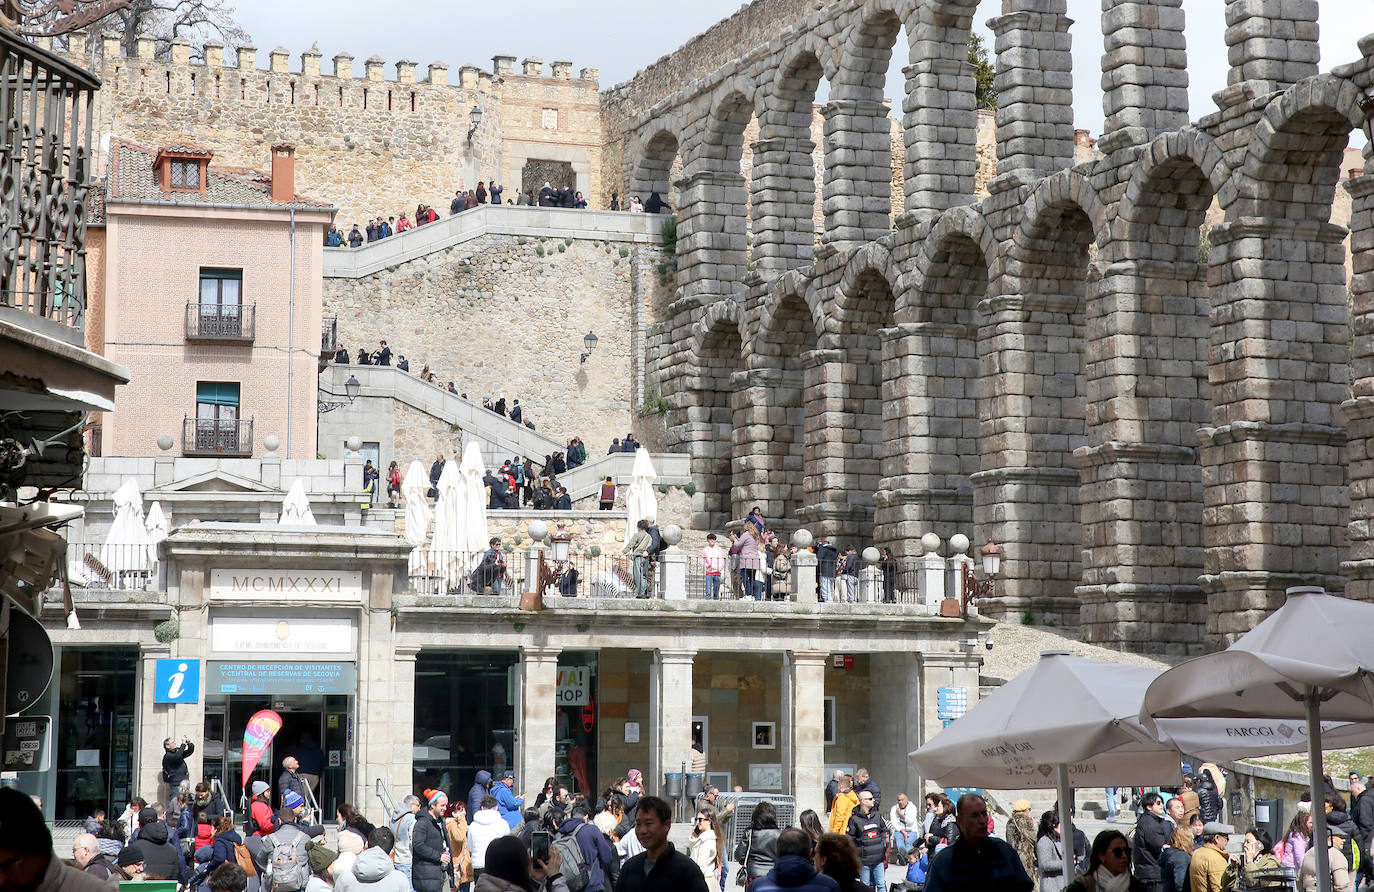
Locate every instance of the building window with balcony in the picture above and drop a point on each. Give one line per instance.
(219, 313)
(217, 428)
(185, 175)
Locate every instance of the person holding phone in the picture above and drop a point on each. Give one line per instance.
(511, 869)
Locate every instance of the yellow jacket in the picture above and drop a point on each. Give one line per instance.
(843, 807)
(1207, 869)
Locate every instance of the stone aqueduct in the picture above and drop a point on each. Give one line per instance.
(1163, 435)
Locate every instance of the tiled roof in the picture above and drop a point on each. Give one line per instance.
(132, 179)
(95, 204)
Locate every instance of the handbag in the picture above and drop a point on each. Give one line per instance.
(742, 875)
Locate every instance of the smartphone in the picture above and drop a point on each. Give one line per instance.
(539, 847)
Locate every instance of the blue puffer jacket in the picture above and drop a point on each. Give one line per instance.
(479, 789)
(511, 807)
(223, 848)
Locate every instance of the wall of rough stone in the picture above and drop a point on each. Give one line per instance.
(505, 316)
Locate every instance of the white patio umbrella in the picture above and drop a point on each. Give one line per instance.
(1311, 658)
(473, 530)
(158, 525)
(1067, 720)
(640, 500)
(295, 508)
(126, 546)
(448, 512)
(414, 487)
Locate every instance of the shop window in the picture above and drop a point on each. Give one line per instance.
(95, 731)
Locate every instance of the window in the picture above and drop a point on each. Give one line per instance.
(217, 401)
(185, 175)
(550, 119)
(221, 291)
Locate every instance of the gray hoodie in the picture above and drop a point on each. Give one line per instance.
(372, 871)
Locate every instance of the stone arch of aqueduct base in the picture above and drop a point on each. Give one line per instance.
(1163, 435)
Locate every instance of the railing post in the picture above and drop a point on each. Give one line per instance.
(870, 577)
(932, 574)
(672, 566)
(958, 559)
(803, 568)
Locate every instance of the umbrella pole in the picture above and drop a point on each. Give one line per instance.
(1318, 790)
(1066, 818)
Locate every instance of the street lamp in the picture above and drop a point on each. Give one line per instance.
(351, 389)
(562, 542)
(971, 588)
(475, 116)
(589, 341)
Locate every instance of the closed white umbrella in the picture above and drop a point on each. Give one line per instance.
(474, 530)
(1312, 658)
(126, 546)
(640, 500)
(158, 525)
(414, 487)
(295, 508)
(1065, 721)
(448, 511)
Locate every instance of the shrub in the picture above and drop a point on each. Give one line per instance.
(167, 631)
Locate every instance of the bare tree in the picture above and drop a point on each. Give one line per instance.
(164, 20)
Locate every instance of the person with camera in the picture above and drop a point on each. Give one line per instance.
(175, 774)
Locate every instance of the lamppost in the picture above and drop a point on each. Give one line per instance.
(971, 587)
(475, 116)
(589, 341)
(351, 387)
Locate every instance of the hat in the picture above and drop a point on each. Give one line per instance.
(147, 816)
(433, 796)
(259, 787)
(1335, 830)
(635, 776)
(21, 824)
(1216, 828)
(292, 799)
(1021, 805)
(1304, 806)
(320, 856)
(130, 854)
(508, 774)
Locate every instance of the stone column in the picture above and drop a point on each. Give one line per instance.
(537, 732)
(155, 723)
(1271, 45)
(1275, 496)
(857, 193)
(1144, 70)
(670, 715)
(935, 670)
(767, 464)
(832, 505)
(782, 188)
(894, 706)
(1359, 411)
(804, 565)
(711, 240)
(940, 123)
(804, 733)
(1034, 87)
(931, 433)
(379, 749)
(403, 717)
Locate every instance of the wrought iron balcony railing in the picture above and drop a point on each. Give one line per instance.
(329, 335)
(220, 322)
(217, 437)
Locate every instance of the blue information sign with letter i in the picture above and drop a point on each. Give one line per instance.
(178, 681)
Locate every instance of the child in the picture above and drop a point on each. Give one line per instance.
(205, 834)
(918, 863)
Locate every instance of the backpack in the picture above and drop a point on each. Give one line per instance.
(575, 870)
(288, 869)
(244, 858)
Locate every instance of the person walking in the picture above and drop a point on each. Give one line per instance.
(871, 836)
(795, 871)
(429, 850)
(846, 800)
(758, 851)
(1051, 867)
(660, 867)
(707, 845)
(827, 564)
(1151, 832)
(1021, 833)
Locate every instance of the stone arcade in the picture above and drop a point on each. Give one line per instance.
(1164, 434)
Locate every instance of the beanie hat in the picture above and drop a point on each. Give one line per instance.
(147, 816)
(320, 856)
(292, 799)
(21, 824)
(259, 787)
(130, 854)
(432, 796)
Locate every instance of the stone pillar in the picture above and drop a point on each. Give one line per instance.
(343, 66)
(672, 574)
(1359, 411)
(804, 732)
(932, 576)
(537, 733)
(1144, 70)
(1271, 45)
(670, 715)
(857, 194)
(767, 466)
(804, 564)
(279, 60)
(438, 74)
(940, 124)
(930, 431)
(378, 745)
(783, 197)
(310, 63)
(403, 718)
(711, 242)
(181, 51)
(110, 47)
(1275, 496)
(374, 69)
(248, 58)
(1034, 87)
(76, 45)
(934, 671)
(145, 48)
(214, 54)
(833, 503)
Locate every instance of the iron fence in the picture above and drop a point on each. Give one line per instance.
(45, 152)
(217, 437)
(220, 322)
(116, 566)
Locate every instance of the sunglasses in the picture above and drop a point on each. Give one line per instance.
(1120, 851)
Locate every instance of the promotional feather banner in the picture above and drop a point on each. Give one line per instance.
(262, 727)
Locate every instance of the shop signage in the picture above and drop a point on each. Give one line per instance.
(274, 636)
(286, 585)
(271, 679)
(27, 744)
(177, 681)
(574, 685)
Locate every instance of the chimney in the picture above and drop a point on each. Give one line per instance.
(283, 172)
(1084, 138)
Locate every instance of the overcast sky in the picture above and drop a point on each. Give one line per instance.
(621, 36)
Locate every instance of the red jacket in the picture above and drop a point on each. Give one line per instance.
(261, 813)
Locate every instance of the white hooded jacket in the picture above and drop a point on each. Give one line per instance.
(372, 871)
(485, 826)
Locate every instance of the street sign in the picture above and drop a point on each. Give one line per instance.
(177, 681)
(27, 744)
(30, 663)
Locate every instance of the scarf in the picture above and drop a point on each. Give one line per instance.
(1109, 882)
(109, 847)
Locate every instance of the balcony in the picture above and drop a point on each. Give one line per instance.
(217, 438)
(329, 336)
(220, 322)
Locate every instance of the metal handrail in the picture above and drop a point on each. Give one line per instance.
(383, 791)
(216, 788)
